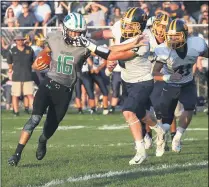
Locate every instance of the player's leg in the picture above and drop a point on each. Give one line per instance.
(57, 110)
(168, 101)
(148, 130)
(40, 104)
(188, 98)
(100, 82)
(89, 86)
(116, 82)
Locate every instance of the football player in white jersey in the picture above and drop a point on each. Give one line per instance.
(115, 34)
(156, 32)
(174, 61)
(136, 77)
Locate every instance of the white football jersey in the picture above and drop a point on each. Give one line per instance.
(172, 62)
(138, 68)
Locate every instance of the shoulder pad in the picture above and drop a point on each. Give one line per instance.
(197, 43)
(162, 52)
(53, 34)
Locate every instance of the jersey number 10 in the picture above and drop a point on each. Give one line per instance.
(64, 64)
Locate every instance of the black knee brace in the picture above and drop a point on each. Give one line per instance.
(32, 123)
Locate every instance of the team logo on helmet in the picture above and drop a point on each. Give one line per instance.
(133, 22)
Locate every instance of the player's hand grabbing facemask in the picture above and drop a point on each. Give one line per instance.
(98, 50)
(84, 41)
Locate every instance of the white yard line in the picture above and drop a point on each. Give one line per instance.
(57, 182)
(97, 145)
(106, 127)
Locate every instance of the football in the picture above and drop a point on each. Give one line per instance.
(44, 58)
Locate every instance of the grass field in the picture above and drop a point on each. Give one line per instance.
(94, 151)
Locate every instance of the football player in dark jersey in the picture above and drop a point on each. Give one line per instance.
(55, 92)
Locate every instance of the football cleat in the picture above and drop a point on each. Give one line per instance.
(105, 111)
(138, 158)
(176, 145)
(41, 150)
(14, 159)
(160, 143)
(147, 141)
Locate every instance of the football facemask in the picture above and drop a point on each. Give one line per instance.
(176, 34)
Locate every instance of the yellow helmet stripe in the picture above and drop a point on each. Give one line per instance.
(127, 13)
(131, 14)
(174, 25)
(171, 25)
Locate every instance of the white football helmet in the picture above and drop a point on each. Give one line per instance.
(74, 22)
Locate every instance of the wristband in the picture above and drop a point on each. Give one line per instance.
(166, 78)
(92, 47)
(108, 72)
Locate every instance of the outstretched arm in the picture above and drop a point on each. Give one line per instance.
(111, 54)
(140, 40)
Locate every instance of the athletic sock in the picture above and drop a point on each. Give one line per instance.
(172, 135)
(140, 145)
(179, 132)
(19, 149)
(79, 109)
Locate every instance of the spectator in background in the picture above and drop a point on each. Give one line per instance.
(17, 8)
(10, 16)
(166, 7)
(203, 8)
(147, 9)
(27, 19)
(7, 37)
(42, 12)
(59, 10)
(188, 20)
(175, 10)
(116, 16)
(123, 5)
(20, 59)
(96, 17)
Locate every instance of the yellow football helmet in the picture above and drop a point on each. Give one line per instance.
(133, 22)
(159, 25)
(176, 34)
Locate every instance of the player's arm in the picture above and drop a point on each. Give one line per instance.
(106, 53)
(140, 40)
(101, 34)
(158, 76)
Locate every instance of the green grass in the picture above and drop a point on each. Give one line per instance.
(89, 151)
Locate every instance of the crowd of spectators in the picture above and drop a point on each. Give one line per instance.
(98, 13)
